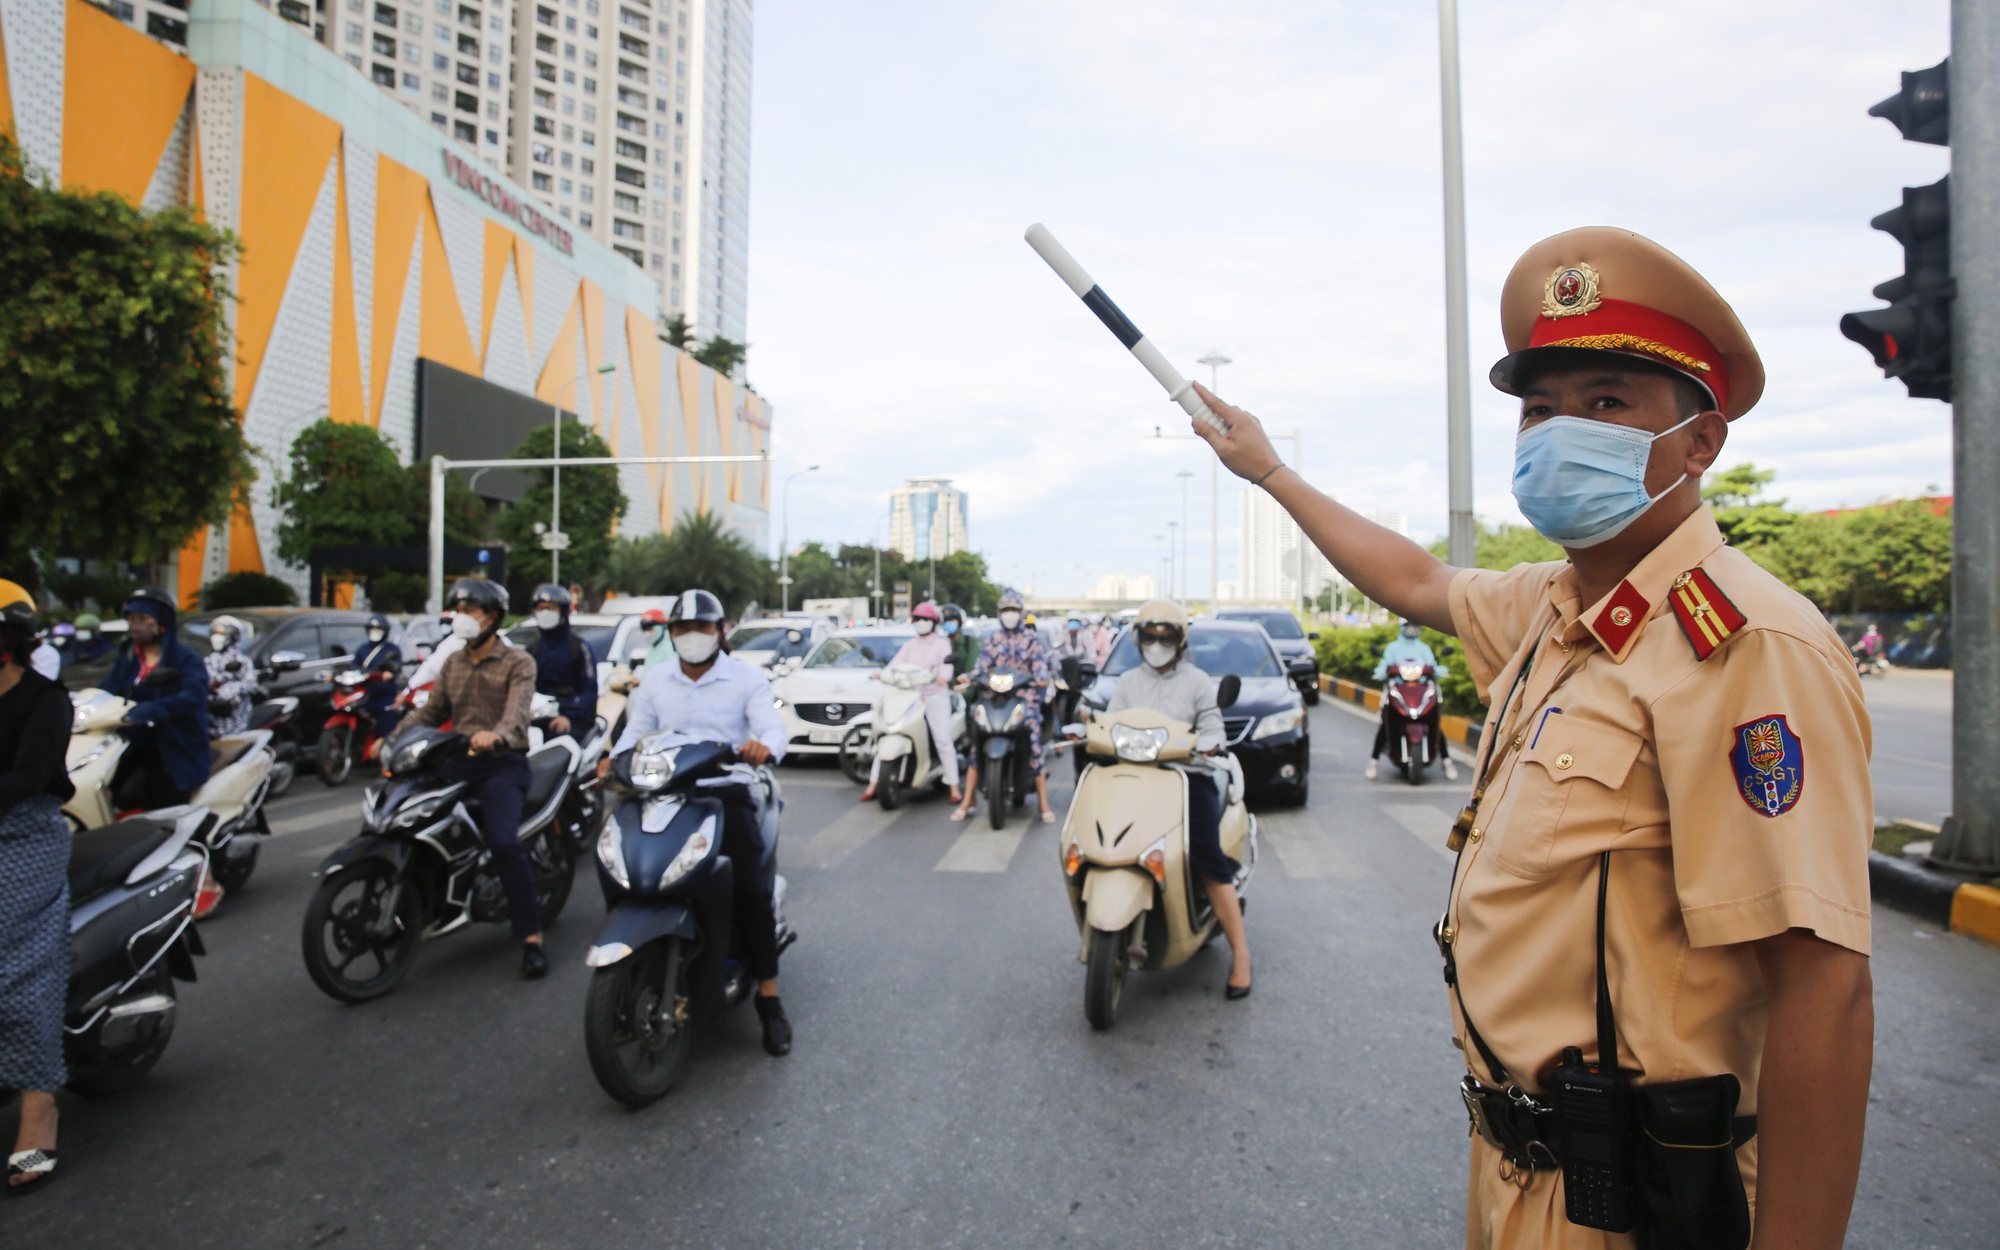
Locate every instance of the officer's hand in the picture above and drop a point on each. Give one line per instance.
(559, 725)
(485, 740)
(754, 753)
(1244, 449)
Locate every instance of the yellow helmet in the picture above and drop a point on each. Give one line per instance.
(12, 592)
(1161, 612)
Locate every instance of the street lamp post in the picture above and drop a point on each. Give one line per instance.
(1185, 475)
(1214, 361)
(555, 476)
(785, 543)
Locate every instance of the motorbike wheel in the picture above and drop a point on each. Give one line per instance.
(857, 752)
(1104, 978)
(283, 773)
(1414, 770)
(637, 1023)
(336, 935)
(232, 874)
(890, 788)
(336, 754)
(554, 862)
(97, 1075)
(996, 793)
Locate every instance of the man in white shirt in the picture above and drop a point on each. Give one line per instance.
(714, 697)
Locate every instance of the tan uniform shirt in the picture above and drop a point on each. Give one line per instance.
(1733, 792)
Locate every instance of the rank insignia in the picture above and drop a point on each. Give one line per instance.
(1705, 613)
(1770, 765)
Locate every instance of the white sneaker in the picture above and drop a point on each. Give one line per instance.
(1370, 771)
(1450, 771)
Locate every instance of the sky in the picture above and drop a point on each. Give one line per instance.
(1263, 178)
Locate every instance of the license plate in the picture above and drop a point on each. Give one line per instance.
(826, 737)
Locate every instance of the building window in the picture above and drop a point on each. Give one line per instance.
(493, 137)
(590, 112)
(659, 236)
(438, 120)
(586, 193)
(541, 182)
(412, 83)
(564, 210)
(493, 110)
(545, 72)
(631, 150)
(441, 33)
(545, 44)
(630, 177)
(589, 59)
(492, 81)
(569, 24)
(468, 45)
(440, 62)
(544, 99)
(587, 165)
(353, 29)
(492, 54)
(468, 17)
(466, 132)
(589, 85)
(632, 254)
(568, 133)
(386, 46)
(569, 77)
(569, 52)
(542, 154)
(569, 106)
(566, 185)
(590, 138)
(413, 54)
(385, 15)
(468, 75)
(583, 219)
(466, 102)
(384, 76)
(444, 8)
(568, 160)
(625, 203)
(628, 229)
(440, 92)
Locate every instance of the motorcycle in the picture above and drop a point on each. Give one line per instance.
(1000, 714)
(132, 890)
(1410, 707)
(278, 717)
(582, 814)
(667, 957)
(420, 869)
(909, 760)
(239, 782)
(1124, 850)
(350, 733)
(1866, 665)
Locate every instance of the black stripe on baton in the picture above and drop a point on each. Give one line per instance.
(1114, 320)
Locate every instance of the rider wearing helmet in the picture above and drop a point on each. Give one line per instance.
(485, 688)
(1015, 646)
(964, 647)
(653, 628)
(1074, 643)
(565, 666)
(232, 678)
(62, 637)
(44, 659)
(168, 685)
(929, 650)
(91, 644)
(1168, 682)
(381, 656)
(715, 697)
(1407, 647)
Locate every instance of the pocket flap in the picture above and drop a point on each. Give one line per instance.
(1567, 747)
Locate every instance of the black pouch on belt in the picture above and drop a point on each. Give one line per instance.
(1688, 1135)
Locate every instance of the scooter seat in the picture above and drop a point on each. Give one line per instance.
(102, 858)
(546, 769)
(226, 751)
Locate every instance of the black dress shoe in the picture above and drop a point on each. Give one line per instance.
(777, 1029)
(534, 961)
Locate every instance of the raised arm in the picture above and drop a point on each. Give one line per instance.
(1382, 564)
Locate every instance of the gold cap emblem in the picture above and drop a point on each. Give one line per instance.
(1571, 292)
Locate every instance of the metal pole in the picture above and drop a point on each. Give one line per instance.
(785, 543)
(1457, 338)
(1970, 840)
(1185, 475)
(1173, 564)
(555, 493)
(1214, 361)
(435, 600)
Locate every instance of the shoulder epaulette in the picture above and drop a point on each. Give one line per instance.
(1706, 615)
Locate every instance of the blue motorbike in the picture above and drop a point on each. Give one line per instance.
(668, 955)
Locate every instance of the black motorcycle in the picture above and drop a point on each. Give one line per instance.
(420, 869)
(132, 892)
(1000, 712)
(668, 956)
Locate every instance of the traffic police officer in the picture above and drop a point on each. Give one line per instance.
(1667, 721)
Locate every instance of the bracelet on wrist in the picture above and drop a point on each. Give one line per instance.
(1268, 472)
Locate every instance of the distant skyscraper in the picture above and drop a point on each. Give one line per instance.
(927, 519)
(1127, 586)
(1271, 550)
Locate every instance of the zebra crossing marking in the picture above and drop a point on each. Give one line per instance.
(982, 850)
(1303, 849)
(1423, 822)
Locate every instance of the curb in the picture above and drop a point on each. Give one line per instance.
(1456, 728)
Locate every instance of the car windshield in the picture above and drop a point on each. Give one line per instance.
(857, 651)
(784, 641)
(1276, 624)
(1217, 652)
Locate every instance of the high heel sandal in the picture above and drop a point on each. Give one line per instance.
(39, 1166)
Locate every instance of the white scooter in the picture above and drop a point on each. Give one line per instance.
(239, 778)
(907, 761)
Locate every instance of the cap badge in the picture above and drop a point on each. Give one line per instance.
(1571, 292)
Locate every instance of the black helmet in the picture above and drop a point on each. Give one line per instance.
(952, 612)
(381, 622)
(695, 605)
(549, 592)
(155, 602)
(18, 617)
(477, 592)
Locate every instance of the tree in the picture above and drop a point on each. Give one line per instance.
(245, 589)
(591, 503)
(722, 355)
(1745, 517)
(699, 553)
(1504, 546)
(346, 488)
(465, 518)
(120, 439)
(677, 332)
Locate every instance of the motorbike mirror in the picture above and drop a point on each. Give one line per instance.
(1229, 691)
(1313, 636)
(286, 661)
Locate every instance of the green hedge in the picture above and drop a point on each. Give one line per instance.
(1351, 651)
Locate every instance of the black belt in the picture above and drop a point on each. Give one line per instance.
(1523, 1128)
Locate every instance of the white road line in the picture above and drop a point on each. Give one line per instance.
(983, 850)
(1302, 847)
(286, 826)
(1425, 823)
(846, 835)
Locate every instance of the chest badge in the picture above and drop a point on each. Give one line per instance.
(1770, 765)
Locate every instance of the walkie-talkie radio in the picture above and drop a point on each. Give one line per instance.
(1594, 1128)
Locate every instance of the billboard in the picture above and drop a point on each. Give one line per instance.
(462, 417)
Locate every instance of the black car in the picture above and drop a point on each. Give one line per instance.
(1295, 645)
(1266, 726)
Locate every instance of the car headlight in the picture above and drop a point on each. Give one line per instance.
(979, 717)
(652, 764)
(1278, 723)
(693, 852)
(1137, 746)
(1014, 717)
(611, 852)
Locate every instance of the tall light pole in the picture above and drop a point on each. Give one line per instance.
(1173, 567)
(785, 543)
(1214, 361)
(556, 537)
(1457, 338)
(875, 587)
(1186, 476)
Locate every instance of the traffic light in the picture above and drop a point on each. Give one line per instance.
(1911, 338)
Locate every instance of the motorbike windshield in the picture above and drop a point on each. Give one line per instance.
(1218, 652)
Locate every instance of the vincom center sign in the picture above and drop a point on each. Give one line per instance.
(532, 219)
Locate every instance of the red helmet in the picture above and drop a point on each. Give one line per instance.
(925, 611)
(652, 616)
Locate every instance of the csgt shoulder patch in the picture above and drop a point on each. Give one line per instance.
(1770, 765)
(1705, 614)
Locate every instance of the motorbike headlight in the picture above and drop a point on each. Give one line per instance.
(1137, 746)
(652, 765)
(406, 758)
(693, 852)
(1278, 723)
(979, 717)
(1015, 717)
(1410, 672)
(611, 852)
(1000, 683)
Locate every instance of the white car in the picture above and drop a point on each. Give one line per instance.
(768, 642)
(822, 697)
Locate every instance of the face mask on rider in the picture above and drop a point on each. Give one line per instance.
(696, 646)
(1159, 654)
(950, 628)
(84, 635)
(218, 642)
(923, 628)
(1582, 482)
(377, 635)
(465, 626)
(547, 618)
(1010, 619)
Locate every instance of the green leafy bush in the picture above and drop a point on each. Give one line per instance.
(245, 589)
(1352, 651)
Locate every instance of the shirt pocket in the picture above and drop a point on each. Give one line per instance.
(1570, 781)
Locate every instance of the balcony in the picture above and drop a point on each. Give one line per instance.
(631, 151)
(630, 177)
(636, 47)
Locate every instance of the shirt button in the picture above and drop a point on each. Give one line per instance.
(1449, 934)
(1476, 835)
(1519, 739)
(1567, 647)
(1565, 760)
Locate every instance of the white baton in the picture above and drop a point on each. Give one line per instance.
(1178, 388)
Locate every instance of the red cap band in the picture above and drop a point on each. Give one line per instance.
(1617, 326)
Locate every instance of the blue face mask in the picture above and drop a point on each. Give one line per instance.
(951, 627)
(1582, 482)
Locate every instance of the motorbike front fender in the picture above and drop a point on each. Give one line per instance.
(632, 923)
(997, 746)
(893, 747)
(1114, 897)
(394, 851)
